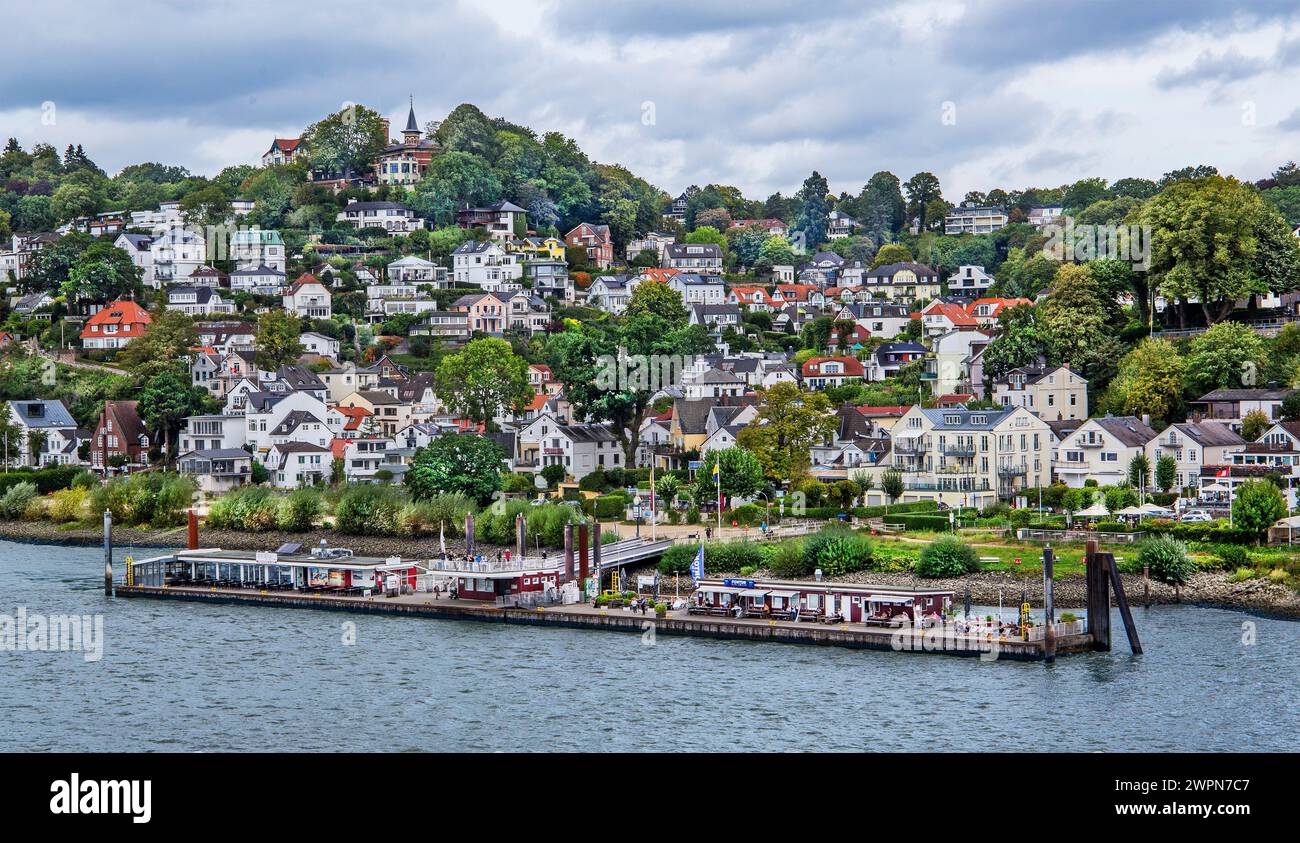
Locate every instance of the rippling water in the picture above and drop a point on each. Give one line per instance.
(190, 677)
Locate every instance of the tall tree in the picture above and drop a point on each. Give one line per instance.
(484, 379)
(346, 142)
(813, 216)
(278, 342)
(789, 423)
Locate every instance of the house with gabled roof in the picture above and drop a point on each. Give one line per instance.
(47, 425)
(115, 326)
(1101, 450)
(1193, 445)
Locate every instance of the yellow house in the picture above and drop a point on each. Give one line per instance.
(538, 248)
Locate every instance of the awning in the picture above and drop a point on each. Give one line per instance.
(788, 595)
(752, 592)
(719, 589)
(899, 601)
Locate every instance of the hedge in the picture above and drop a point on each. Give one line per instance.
(610, 506)
(47, 480)
(828, 512)
(910, 521)
(1215, 533)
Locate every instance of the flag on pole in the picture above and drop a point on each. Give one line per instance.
(652, 491)
(697, 565)
(442, 538)
(717, 478)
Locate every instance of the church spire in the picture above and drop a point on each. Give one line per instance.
(412, 127)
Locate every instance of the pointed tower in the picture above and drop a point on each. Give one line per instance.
(411, 134)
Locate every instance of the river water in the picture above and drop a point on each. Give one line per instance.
(191, 677)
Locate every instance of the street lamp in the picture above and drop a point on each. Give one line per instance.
(636, 504)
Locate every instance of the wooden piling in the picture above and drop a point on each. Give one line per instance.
(521, 536)
(1098, 593)
(469, 533)
(568, 552)
(193, 537)
(1130, 629)
(1146, 586)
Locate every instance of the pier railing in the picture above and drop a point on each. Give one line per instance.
(1101, 536)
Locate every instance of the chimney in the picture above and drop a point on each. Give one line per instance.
(1146, 419)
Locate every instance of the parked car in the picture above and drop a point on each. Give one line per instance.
(1196, 516)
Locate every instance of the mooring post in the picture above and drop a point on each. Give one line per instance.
(1098, 596)
(1146, 586)
(582, 558)
(193, 543)
(108, 553)
(1049, 606)
(469, 534)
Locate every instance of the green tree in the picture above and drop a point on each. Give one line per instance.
(164, 347)
(1214, 240)
(1166, 472)
(813, 217)
(1139, 471)
(789, 422)
(208, 206)
(891, 483)
(892, 253)
(457, 462)
(1254, 424)
(741, 474)
(278, 343)
(1257, 506)
(101, 273)
(346, 142)
(922, 190)
(484, 379)
(1150, 380)
(166, 399)
(1229, 354)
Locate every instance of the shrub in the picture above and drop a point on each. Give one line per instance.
(692, 516)
(298, 512)
(836, 551)
(893, 559)
(547, 522)
(369, 510)
(1167, 559)
(947, 556)
(1231, 556)
(748, 515)
(1241, 575)
(786, 559)
(69, 504)
(35, 509)
(49, 479)
(610, 506)
(677, 559)
(251, 508)
(14, 502)
(496, 524)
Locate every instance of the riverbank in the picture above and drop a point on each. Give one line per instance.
(46, 532)
(1257, 596)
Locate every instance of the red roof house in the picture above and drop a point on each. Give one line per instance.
(115, 326)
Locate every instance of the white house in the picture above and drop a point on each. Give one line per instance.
(251, 248)
(296, 464)
(308, 298)
(1194, 445)
(259, 280)
(580, 448)
(314, 343)
(390, 216)
(46, 424)
(484, 263)
(1101, 449)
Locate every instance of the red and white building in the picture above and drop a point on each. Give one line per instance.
(826, 372)
(596, 240)
(115, 326)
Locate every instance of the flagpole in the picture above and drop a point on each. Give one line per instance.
(717, 476)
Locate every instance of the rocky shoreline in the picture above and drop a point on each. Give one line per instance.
(1205, 589)
(43, 532)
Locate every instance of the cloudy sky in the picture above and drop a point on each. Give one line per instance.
(984, 93)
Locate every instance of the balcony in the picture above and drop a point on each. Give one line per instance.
(1090, 443)
(910, 446)
(959, 450)
(1013, 470)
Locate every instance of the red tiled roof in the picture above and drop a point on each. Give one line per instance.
(130, 318)
(895, 410)
(852, 367)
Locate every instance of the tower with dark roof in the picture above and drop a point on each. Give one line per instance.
(411, 134)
